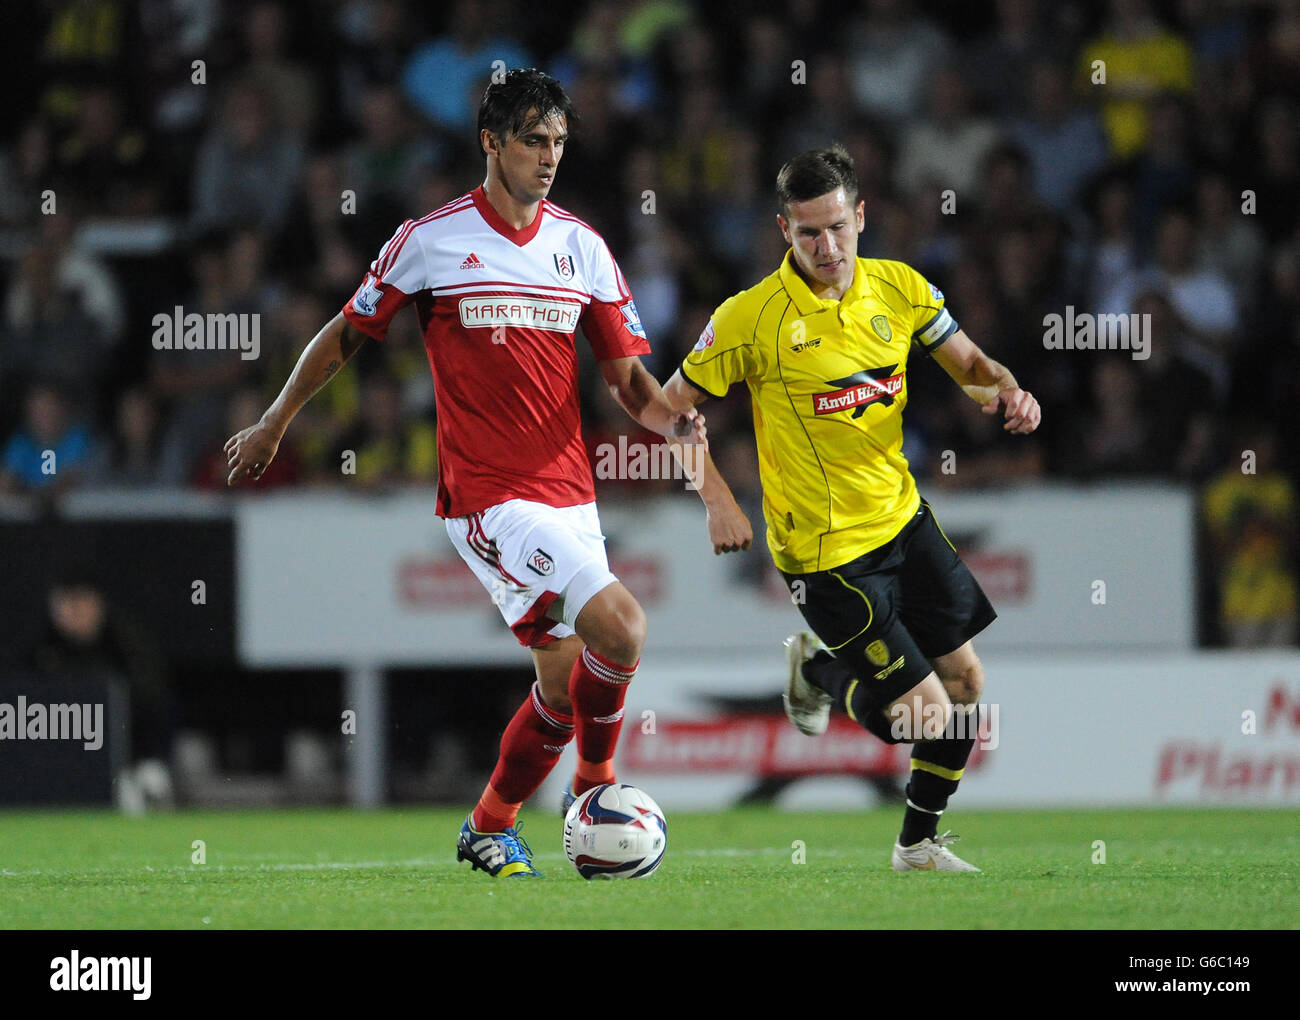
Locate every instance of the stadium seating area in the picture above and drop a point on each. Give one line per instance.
(203, 154)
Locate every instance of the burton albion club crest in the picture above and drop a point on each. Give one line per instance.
(564, 265)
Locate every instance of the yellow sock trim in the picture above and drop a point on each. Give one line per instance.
(938, 770)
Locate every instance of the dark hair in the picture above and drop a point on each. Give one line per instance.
(815, 173)
(507, 103)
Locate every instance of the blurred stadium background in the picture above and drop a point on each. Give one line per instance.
(231, 634)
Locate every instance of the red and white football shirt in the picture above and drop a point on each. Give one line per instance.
(498, 308)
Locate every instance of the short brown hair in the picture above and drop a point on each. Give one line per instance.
(815, 173)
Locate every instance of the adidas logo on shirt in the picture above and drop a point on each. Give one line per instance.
(472, 262)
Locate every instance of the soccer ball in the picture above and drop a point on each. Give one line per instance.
(615, 831)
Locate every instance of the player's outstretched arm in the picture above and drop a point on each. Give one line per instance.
(729, 528)
(647, 402)
(640, 395)
(988, 383)
(250, 451)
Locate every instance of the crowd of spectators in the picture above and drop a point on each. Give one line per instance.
(1027, 156)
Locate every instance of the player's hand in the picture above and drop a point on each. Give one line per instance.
(1020, 408)
(250, 452)
(688, 428)
(729, 528)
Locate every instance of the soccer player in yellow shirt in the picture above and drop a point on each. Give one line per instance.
(823, 345)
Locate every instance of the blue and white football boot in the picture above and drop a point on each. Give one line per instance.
(501, 854)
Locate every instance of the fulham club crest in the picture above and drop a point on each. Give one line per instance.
(564, 265)
(540, 562)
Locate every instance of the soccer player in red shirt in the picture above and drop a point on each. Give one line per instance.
(501, 279)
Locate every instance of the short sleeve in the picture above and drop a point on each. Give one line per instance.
(391, 283)
(933, 324)
(610, 321)
(725, 353)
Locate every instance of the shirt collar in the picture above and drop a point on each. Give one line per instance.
(494, 220)
(809, 303)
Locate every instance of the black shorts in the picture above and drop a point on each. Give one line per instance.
(890, 611)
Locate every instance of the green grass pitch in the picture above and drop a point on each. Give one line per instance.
(1165, 869)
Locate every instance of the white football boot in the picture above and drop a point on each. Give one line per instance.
(808, 707)
(930, 855)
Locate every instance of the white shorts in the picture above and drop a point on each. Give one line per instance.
(542, 564)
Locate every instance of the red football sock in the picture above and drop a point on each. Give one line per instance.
(597, 688)
(530, 747)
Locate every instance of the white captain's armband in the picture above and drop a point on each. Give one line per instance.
(936, 331)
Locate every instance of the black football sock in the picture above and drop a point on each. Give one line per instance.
(827, 673)
(937, 767)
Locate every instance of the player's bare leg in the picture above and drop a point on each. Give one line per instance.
(613, 627)
(922, 713)
(554, 665)
(961, 674)
(613, 624)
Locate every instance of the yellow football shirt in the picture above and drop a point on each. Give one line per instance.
(828, 380)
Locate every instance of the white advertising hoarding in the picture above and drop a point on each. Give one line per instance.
(329, 580)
